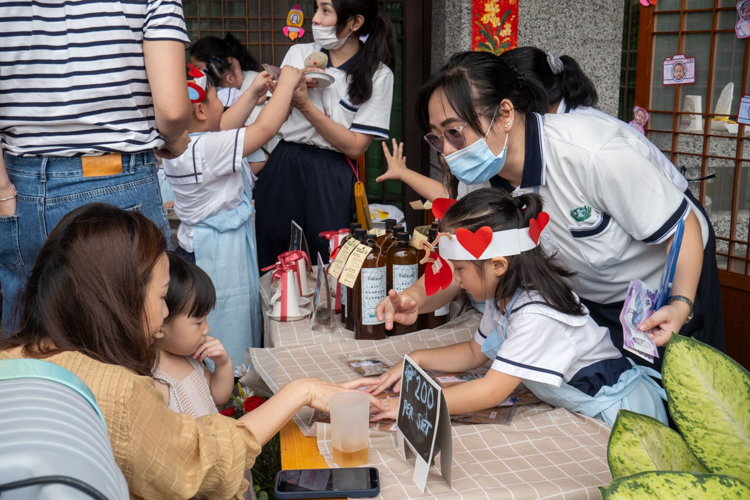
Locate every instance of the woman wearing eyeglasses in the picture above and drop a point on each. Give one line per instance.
(612, 210)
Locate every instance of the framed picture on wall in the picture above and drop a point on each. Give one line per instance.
(679, 70)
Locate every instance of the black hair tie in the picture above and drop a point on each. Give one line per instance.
(519, 76)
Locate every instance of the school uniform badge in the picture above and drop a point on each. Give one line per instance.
(580, 214)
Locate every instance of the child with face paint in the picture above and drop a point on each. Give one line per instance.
(313, 168)
(534, 328)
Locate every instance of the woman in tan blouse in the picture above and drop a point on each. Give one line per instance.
(92, 305)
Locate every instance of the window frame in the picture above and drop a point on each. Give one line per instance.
(644, 81)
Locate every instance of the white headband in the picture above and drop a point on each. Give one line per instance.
(465, 245)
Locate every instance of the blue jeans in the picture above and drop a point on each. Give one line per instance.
(49, 187)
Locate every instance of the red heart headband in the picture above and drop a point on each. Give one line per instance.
(484, 244)
(440, 206)
(196, 86)
(481, 244)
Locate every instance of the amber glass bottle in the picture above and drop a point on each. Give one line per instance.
(344, 290)
(440, 316)
(352, 307)
(402, 272)
(369, 290)
(386, 240)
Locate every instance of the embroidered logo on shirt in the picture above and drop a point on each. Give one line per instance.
(580, 214)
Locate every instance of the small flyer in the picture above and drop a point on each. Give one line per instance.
(368, 367)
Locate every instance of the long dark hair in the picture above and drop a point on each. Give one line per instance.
(531, 270)
(191, 290)
(571, 84)
(87, 290)
(473, 81)
(377, 50)
(214, 52)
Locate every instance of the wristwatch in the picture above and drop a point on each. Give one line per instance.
(687, 301)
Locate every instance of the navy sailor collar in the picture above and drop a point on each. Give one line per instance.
(346, 64)
(534, 164)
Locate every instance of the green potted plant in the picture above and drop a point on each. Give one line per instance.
(708, 397)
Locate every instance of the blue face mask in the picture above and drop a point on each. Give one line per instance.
(476, 164)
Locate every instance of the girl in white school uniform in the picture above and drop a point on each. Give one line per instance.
(227, 62)
(213, 200)
(534, 327)
(613, 209)
(310, 175)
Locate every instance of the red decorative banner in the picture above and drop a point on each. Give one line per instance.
(495, 25)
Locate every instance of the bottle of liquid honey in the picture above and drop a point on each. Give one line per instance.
(353, 308)
(344, 291)
(402, 272)
(369, 290)
(386, 240)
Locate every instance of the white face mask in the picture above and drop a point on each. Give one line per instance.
(325, 36)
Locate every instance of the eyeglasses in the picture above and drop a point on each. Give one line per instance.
(455, 136)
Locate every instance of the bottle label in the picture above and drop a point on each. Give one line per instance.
(343, 301)
(373, 291)
(404, 276)
(443, 311)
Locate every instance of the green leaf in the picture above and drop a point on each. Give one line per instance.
(484, 47)
(709, 400)
(639, 443)
(662, 485)
(505, 16)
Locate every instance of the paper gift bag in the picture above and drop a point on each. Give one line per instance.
(363, 209)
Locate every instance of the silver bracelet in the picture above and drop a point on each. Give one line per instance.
(15, 193)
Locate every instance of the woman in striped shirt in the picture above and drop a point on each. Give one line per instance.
(91, 90)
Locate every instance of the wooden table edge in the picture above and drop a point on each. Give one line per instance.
(299, 451)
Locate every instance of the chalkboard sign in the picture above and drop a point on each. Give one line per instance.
(419, 409)
(297, 240)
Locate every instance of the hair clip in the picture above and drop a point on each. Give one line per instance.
(555, 63)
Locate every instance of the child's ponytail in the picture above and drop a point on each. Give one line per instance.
(378, 48)
(239, 52)
(531, 270)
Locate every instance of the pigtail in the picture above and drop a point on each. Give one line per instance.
(537, 270)
(577, 89)
(217, 68)
(532, 270)
(377, 50)
(238, 51)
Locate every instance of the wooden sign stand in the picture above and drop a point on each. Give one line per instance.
(423, 423)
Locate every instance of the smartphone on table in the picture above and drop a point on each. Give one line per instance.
(356, 482)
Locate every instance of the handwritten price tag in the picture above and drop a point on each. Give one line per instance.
(353, 265)
(340, 260)
(416, 238)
